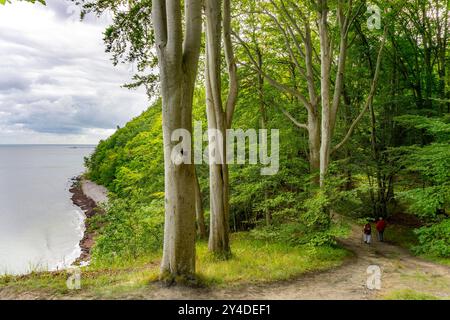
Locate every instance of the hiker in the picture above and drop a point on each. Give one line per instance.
(367, 233)
(381, 225)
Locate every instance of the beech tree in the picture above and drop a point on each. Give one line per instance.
(220, 115)
(314, 55)
(178, 61)
(139, 28)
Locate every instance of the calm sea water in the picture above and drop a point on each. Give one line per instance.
(40, 228)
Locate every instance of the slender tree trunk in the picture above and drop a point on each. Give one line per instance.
(348, 119)
(217, 120)
(314, 145)
(263, 118)
(325, 85)
(427, 56)
(199, 211)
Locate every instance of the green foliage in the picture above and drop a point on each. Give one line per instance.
(317, 211)
(256, 196)
(434, 240)
(434, 126)
(132, 156)
(426, 202)
(297, 234)
(2, 2)
(130, 163)
(428, 192)
(130, 230)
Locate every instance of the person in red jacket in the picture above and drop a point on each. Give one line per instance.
(381, 225)
(367, 232)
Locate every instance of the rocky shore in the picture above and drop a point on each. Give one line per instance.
(88, 196)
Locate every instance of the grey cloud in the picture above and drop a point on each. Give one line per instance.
(67, 9)
(60, 82)
(14, 82)
(46, 79)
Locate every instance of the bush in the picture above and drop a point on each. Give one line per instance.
(297, 234)
(130, 229)
(434, 240)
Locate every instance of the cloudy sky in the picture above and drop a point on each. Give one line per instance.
(57, 85)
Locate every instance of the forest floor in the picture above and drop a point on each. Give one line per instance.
(402, 276)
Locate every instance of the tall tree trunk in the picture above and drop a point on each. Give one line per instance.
(325, 85)
(178, 61)
(199, 210)
(428, 47)
(314, 146)
(348, 119)
(219, 119)
(263, 118)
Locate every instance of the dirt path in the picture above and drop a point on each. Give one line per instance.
(400, 270)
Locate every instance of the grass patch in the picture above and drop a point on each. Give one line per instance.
(252, 261)
(261, 261)
(408, 294)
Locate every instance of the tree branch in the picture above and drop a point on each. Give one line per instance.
(174, 30)
(272, 81)
(294, 121)
(159, 23)
(192, 41)
(231, 64)
(370, 97)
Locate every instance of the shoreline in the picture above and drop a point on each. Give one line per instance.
(84, 200)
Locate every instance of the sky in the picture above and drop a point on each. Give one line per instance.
(57, 84)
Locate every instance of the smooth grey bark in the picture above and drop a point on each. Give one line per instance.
(199, 210)
(325, 87)
(178, 61)
(218, 20)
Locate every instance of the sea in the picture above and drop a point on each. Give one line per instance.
(40, 227)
